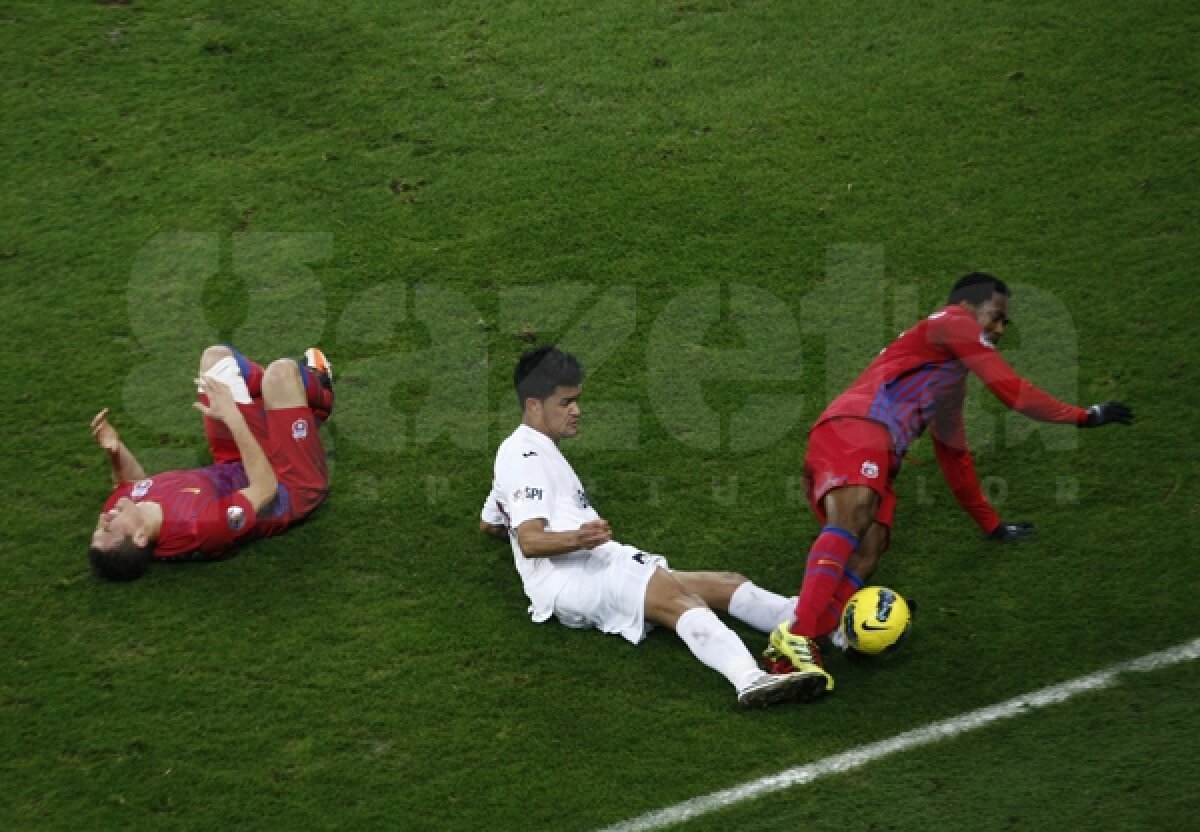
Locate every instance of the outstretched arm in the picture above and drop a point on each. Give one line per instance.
(965, 339)
(125, 467)
(223, 408)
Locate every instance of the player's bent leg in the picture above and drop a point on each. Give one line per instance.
(242, 376)
(282, 386)
(667, 599)
(740, 597)
(859, 569)
(217, 361)
(849, 512)
(669, 602)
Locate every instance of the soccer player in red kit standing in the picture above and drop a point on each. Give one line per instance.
(268, 473)
(858, 443)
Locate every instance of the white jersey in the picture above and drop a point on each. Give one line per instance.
(532, 479)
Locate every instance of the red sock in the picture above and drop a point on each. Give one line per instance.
(832, 615)
(822, 577)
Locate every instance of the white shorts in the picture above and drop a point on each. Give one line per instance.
(609, 592)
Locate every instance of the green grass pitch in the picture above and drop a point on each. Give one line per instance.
(725, 208)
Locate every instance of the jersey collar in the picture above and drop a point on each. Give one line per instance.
(536, 437)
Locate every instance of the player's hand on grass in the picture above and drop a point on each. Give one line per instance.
(106, 435)
(496, 530)
(1013, 532)
(221, 405)
(594, 533)
(1108, 413)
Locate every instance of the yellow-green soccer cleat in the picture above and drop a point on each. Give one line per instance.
(789, 652)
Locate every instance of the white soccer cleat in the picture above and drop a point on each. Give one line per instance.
(316, 361)
(773, 689)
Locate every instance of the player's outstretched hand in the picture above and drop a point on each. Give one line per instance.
(1108, 413)
(1013, 532)
(106, 435)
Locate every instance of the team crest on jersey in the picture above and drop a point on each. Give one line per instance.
(870, 470)
(581, 497)
(299, 429)
(235, 516)
(141, 488)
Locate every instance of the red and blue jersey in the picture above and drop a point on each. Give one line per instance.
(920, 381)
(204, 511)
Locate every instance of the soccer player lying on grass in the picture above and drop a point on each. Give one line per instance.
(857, 445)
(573, 570)
(268, 472)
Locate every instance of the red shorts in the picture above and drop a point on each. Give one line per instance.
(292, 443)
(849, 451)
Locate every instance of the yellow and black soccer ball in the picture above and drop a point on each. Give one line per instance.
(875, 620)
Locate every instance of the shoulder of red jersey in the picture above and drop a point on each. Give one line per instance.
(955, 323)
(950, 312)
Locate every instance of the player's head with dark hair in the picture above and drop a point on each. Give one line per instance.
(123, 541)
(122, 561)
(988, 298)
(539, 372)
(548, 383)
(977, 288)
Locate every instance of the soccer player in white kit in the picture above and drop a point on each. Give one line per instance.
(573, 570)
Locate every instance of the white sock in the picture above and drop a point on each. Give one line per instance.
(760, 608)
(719, 647)
(227, 372)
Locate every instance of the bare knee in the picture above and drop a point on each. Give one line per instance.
(282, 385)
(213, 354)
(667, 599)
(282, 371)
(683, 602)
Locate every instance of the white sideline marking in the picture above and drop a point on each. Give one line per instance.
(933, 732)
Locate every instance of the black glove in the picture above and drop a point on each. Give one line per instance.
(1107, 413)
(1013, 532)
